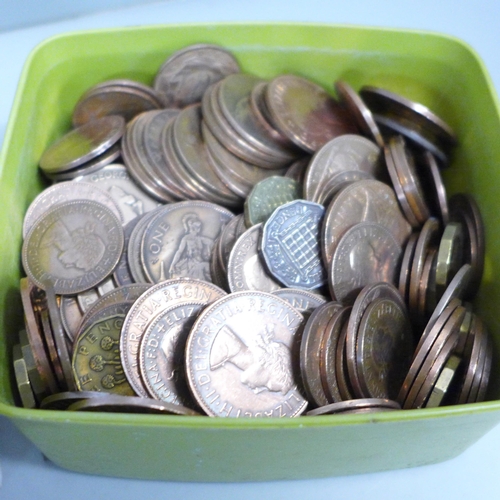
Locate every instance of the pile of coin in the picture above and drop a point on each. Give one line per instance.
(264, 249)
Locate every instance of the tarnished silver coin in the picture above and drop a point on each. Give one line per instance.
(239, 357)
(245, 268)
(122, 274)
(267, 195)
(161, 353)
(290, 245)
(186, 74)
(362, 201)
(303, 300)
(367, 253)
(82, 144)
(347, 152)
(305, 112)
(66, 191)
(337, 183)
(130, 198)
(178, 241)
(74, 246)
(366, 405)
(146, 307)
(62, 400)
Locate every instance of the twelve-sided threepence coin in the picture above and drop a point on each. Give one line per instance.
(239, 357)
(150, 304)
(75, 246)
(290, 244)
(178, 241)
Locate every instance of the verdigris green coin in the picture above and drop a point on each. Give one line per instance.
(267, 195)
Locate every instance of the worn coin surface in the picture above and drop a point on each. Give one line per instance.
(239, 357)
(367, 253)
(146, 307)
(303, 300)
(290, 244)
(161, 353)
(75, 246)
(96, 358)
(368, 405)
(245, 268)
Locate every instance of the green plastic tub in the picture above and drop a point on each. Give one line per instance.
(438, 71)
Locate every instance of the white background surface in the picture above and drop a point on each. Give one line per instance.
(473, 475)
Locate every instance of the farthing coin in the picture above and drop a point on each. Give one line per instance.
(290, 245)
(75, 246)
(305, 112)
(362, 201)
(130, 198)
(161, 354)
(245, 268)
(179, 239)
(66, 191)
(183, 78)
(384, 348)
(239, 357)
(267, 195)
(347, 152)
(146, 307)
(96, 358)
(366, 254)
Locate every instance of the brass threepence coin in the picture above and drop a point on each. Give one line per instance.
(75, 246)
(22, 380)
(450, 255)
(239, 357)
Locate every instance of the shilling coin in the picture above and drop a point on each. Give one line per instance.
(131, 200)
(230, 233)
(66, 191)
(86, 298)
(290, 245)
(82, 144)
(267, 195)
(297, 170)
(367, 253)
(183, 78)
(75, 245)
(122, 274)
(359, 111)
(362, 201)
(23, 383)
(161, 353)
(328, 354)
(36, 340)
(370, 405)
(464, 208)
(384, 348)
(146, 307)
(347, 152)
(239, 357)
(125, 101)
(304, 301)
(337, 183)
(310, 351)
(96, 358)
(178, 241)
(305, 112)
(370, 293)
(115, 403)
(245, 268)
(71, 315)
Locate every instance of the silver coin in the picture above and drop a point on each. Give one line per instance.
(303, 300)
(130, 198)
(245, 269)
(336, 183)
(347, 152)
(122, 274)
(239, 357)
(290, 245)
(75, 245)
(82, 144)
(178, 241)
(366, 254)
(185, 75)
(66, 191)
(146, 307)
(161, 353)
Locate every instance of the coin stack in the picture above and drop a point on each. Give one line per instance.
(263, 249)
